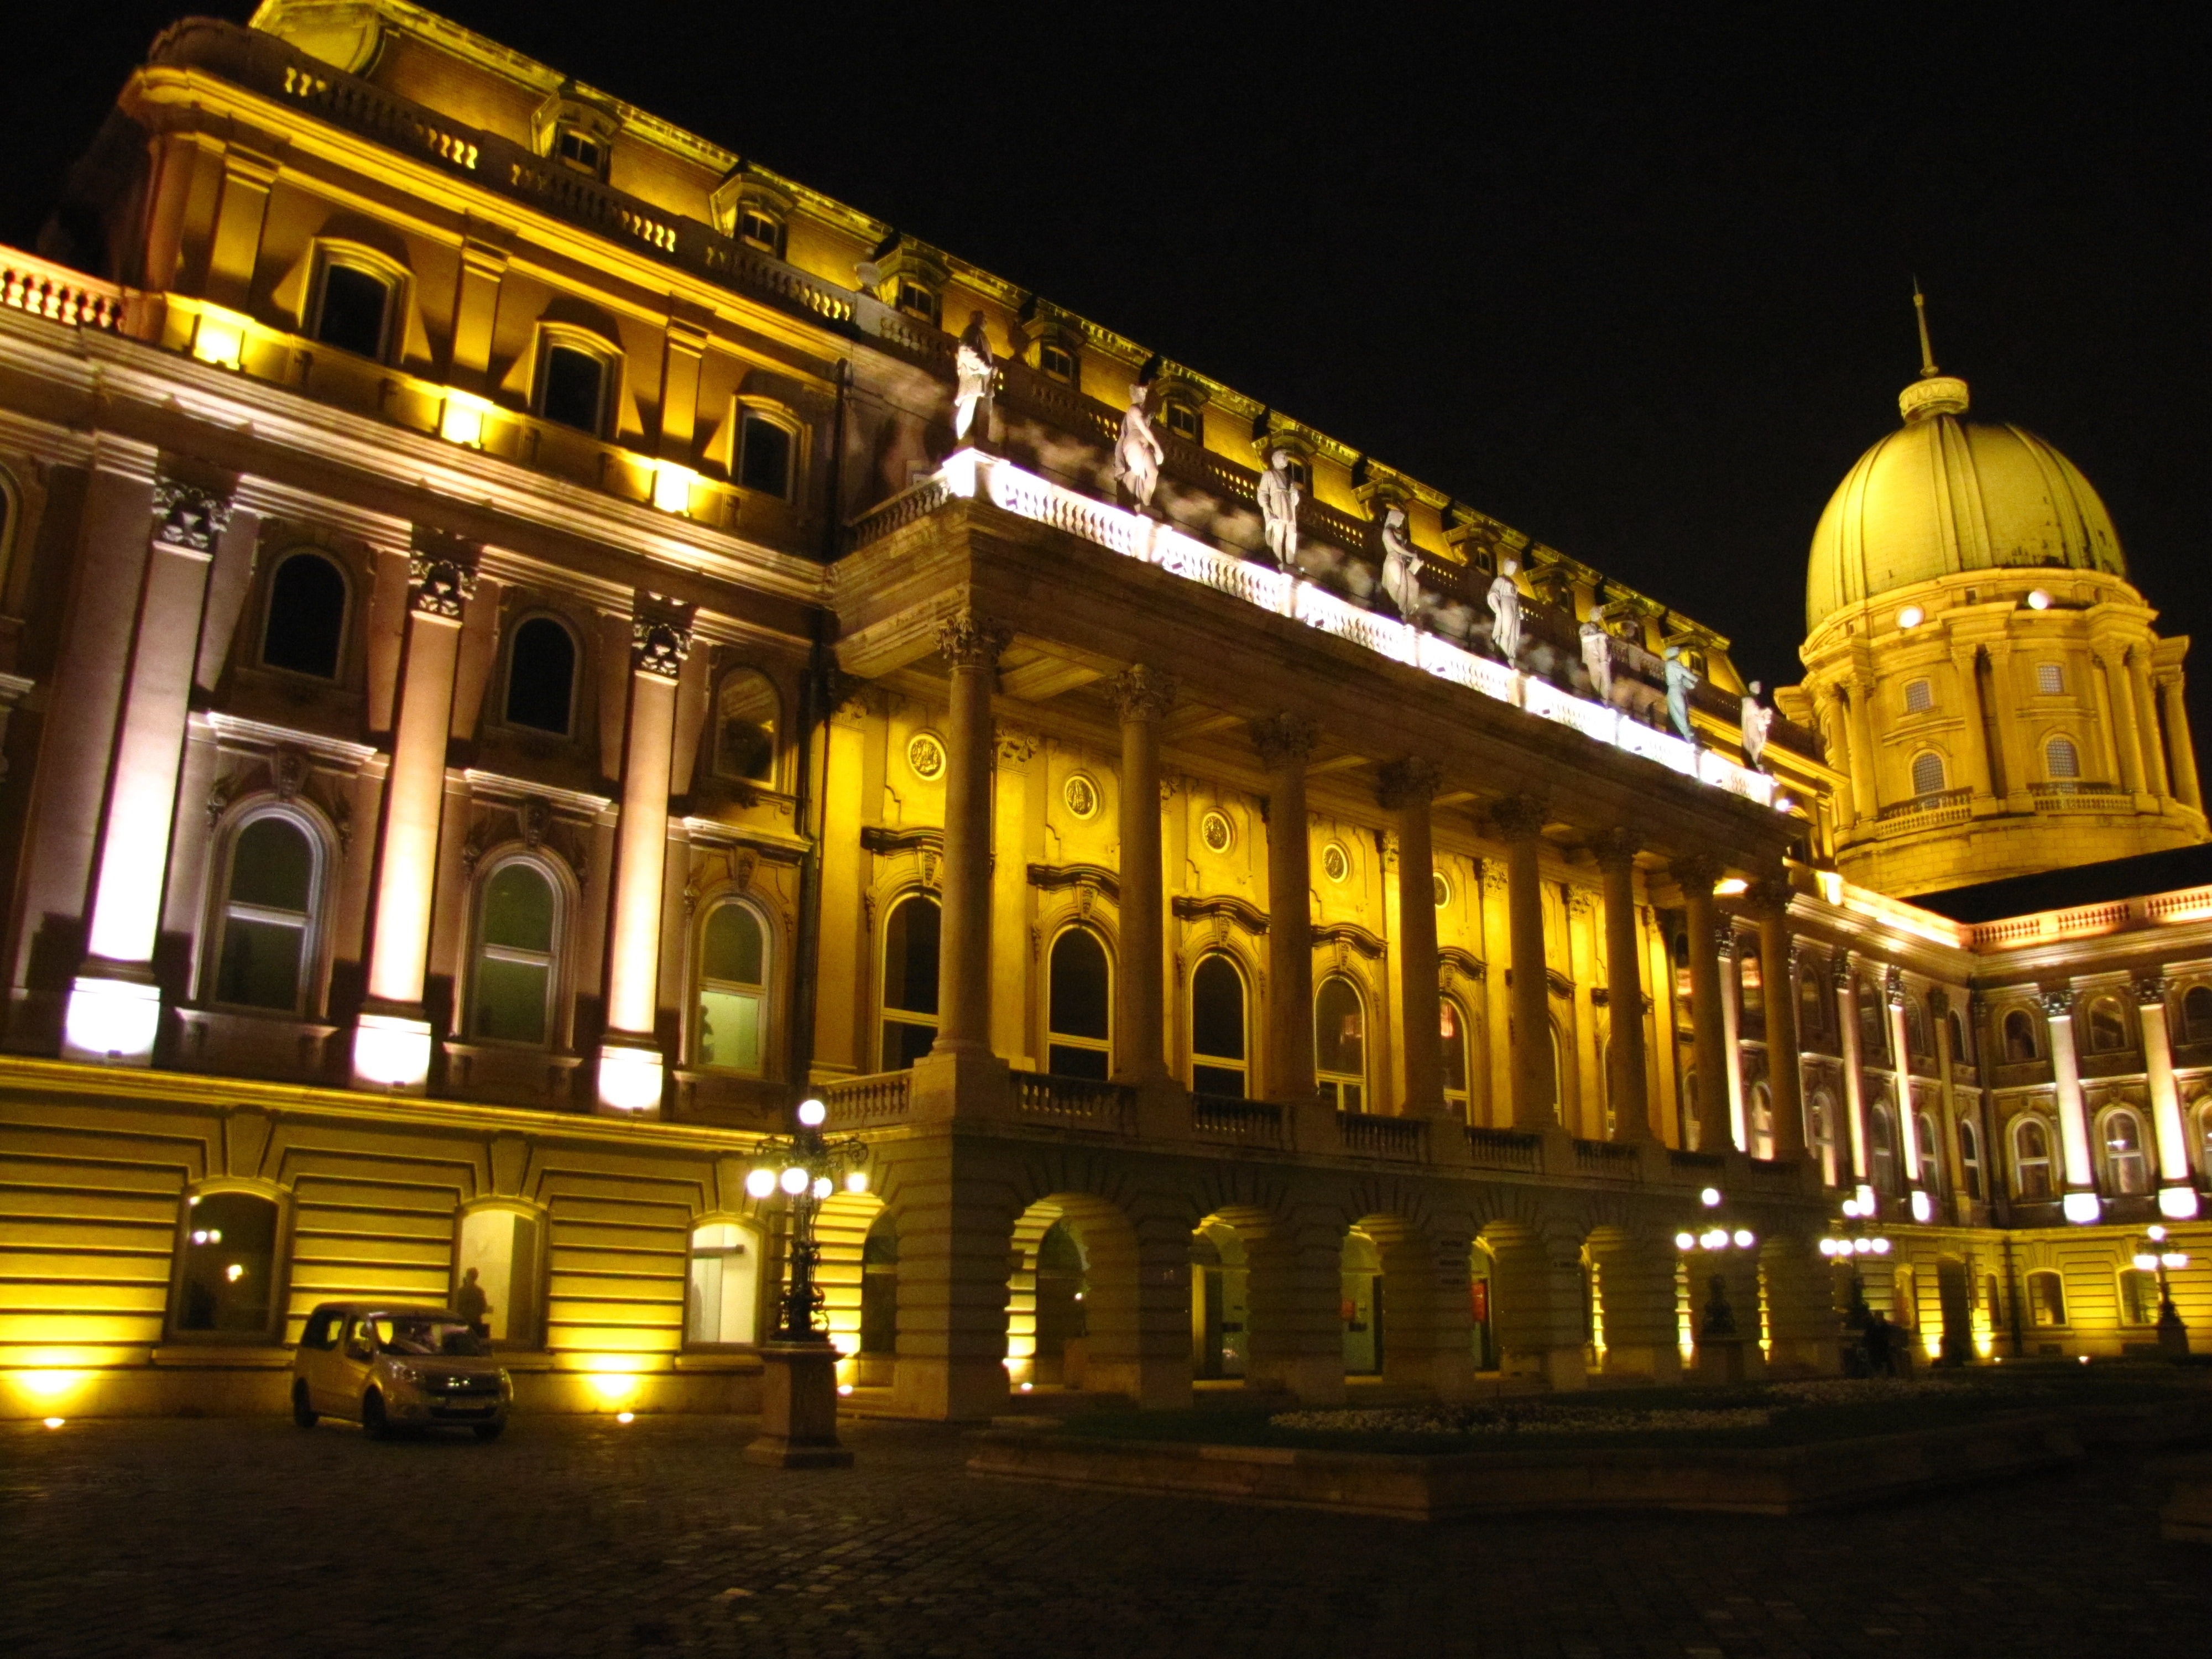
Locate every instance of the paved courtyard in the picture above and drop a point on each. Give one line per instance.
(583, 1536)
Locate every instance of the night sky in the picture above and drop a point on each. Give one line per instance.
(1639, 287)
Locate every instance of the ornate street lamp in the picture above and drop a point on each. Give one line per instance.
(1719, 1347)
(798, 1377)
(2161, 1258)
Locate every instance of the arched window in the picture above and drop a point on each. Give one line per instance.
(1458, 1055)
(733, 990)
(499, 1247)
(541, 676)
(226, 1286)
(354, 310)
(2033, 1175)
(1919, 698)
(511, 995)
(1970, 1158)
(745, 718)
(1874, 1024)
(1882, 1148)
(2046, 1298)
(1218, 1062)
(1340, 1044)
(1759, 1122)
(1931, 1155)
(2019, 1036)
(1820, 1122)
(305, 631)
(1960, 1053)
(268, 919)
(1079, 1002)
(2108, 1026)
(1928, 772)
(2062, 760)
(1559, 1071)
(1917, 1036)
(1812, 1007)
(2127, 1170)
(723, 1304)
(909, 981)
(2196, 1014)
(2138, 1296)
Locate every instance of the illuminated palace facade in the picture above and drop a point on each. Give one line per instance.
(525, 648)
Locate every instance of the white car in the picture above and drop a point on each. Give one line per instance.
(387, 1366)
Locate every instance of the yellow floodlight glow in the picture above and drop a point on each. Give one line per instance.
(1730, 887)
(625, 1417)
(55, 1422)
(463, 419)
(672, 488)
(49, 1384)
(219, 340)
(391, 1051)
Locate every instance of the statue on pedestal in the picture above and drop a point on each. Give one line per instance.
(1138, 455)
(1505, 610)
(1757, 717)
(1399, 561)
(1597, 654)
(1682, 680)
(973, 370)
(1279, 496)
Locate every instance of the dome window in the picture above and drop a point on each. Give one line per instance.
(2050, 679)
(2062, 759)
(1927, 773)
(1919, 698)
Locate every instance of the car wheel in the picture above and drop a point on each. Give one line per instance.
(303, 1413)
(491, 1431)
(374, 1422)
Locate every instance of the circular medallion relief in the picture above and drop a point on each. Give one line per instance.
(1081, 795)
(1440, 884)
(1215, 831)
(925, 753)
(1335, 862)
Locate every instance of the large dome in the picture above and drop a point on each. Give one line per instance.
(1946, 494)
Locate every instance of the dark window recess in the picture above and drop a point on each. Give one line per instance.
(227, 1284)
(745, 737)
(1216, 1028)
(541, 676)
(579, 150)
(1082, 997)
(266, 918)
(910, 942)
(766, 463)
(1057, 361)
(1183, 422)
(763, 232)
(354, 306)
(575, 383)
(306, 616)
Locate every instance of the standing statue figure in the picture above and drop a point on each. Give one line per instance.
(1757, 717)
(1279, 496)
(1682, 680)
(1505, 610)
(1399, 561)
(973, 370)
(1138, 455)
(1597, 654)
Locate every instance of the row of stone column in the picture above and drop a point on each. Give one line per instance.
(971, 645)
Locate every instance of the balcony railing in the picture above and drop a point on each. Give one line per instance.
(1256, 1122)
(1075, 1103)
(1607, 1159)
(856, 1103)
(58, 293)
(1506, 1149)
(972, 475)
(1381, 1137)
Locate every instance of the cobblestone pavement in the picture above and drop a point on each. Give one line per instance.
(581, 1536)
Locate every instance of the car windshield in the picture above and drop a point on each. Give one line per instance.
(412, 1334)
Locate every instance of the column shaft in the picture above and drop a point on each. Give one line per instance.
(1784, 1080)
(1726, 946)
(2007, 724)
(1283, 743)
(2127, 740)
(1536, 1087)
(1847, 1018)
(1407, 788)
(2174, 704)
(1709, 1032)
(1626, 1082)
(2073, 1115)
(2165, 1095)
(1977, 735)
(1139, 1015)
(1900, 1054)
(2146, 724)
(1865, 792)
(971, 646)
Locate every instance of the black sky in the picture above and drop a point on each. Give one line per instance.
(1638, 284)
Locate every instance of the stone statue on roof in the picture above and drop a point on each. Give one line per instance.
(1137, 454)
(1401, 560)
(1682, 680)
(1505, 613)
(1597, 654)
(1279, 496)
(1757, 718)
(973, 370)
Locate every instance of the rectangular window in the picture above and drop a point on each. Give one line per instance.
(2050, 678)
(1918, 698)
(2138, 1296)
(730, 1031)
(764, 458)
(916, 300)
(579, 150)
(574, 389)
(1183, 422)
(353, 311)
(1056, 361)
(761, 231)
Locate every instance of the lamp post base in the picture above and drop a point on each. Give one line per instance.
(799, 1408)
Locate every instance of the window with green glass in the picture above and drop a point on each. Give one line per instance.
(733, 990)
(267, 913)
(514, 985)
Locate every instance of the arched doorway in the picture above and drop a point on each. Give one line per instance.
(1361, 1274)
(1220, 1283)
(1072, 1297)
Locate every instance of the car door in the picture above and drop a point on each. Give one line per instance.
(318, 1346)
(354, 1356)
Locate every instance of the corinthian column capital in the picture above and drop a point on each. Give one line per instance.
(1284, 739)
(1409, 782)
(1520, 817)
(968, 639)
(1141, 693)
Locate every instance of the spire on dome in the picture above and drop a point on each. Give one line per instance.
(1934, 393)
